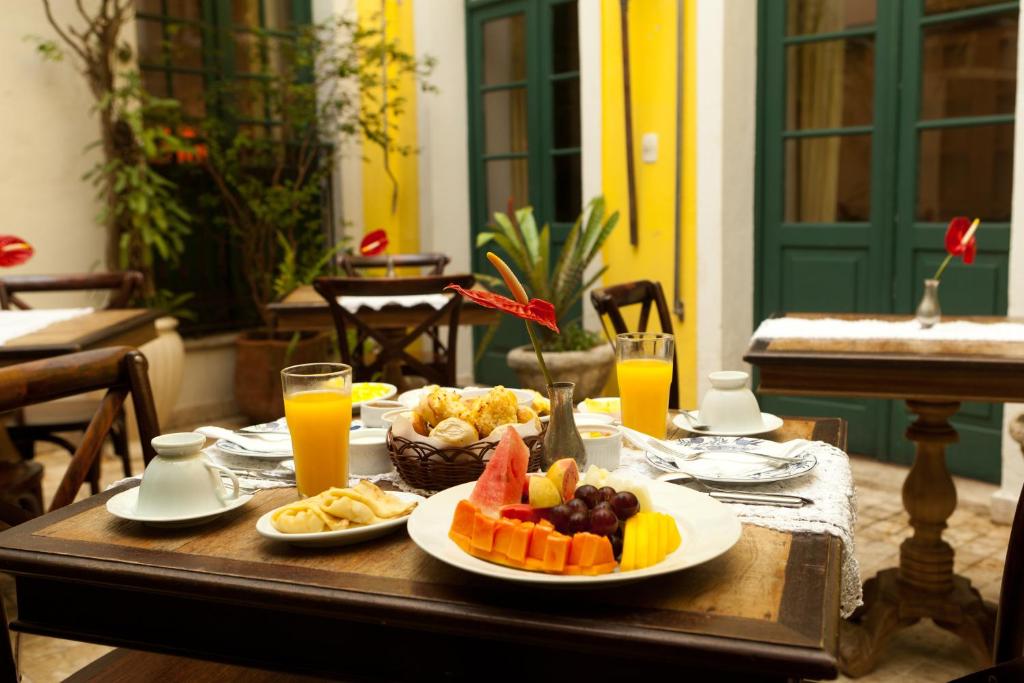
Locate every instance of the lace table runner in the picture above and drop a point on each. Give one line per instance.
(836, 328)
(353, 303)
(15, 324)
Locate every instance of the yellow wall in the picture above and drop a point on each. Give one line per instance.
(653, 56)
(402, 225)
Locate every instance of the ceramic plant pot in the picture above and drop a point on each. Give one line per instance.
(588, 370)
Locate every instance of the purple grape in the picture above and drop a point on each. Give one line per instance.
(606, 493)
(559, 516)
(625, 505)
(577, 505)
(603, 521)
(578, 521)
(616, 540)
(588, 494)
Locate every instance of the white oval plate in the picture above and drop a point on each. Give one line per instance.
(231, 448)
(708, 528)
(329, 539)
(770, 424)
(725, 460)
(613, 403)
(410, 399)
(391, 391)
(124, 504)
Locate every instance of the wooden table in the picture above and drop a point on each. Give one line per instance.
(304, 309)
(766, 610)
(933, 377)
(126, 326)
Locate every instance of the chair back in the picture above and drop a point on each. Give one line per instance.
(609, 302)
(431, 263)
(393, 344)
(1009, 643)
(122, 286)
(120, 370)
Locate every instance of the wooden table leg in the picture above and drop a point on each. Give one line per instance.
(924, 586)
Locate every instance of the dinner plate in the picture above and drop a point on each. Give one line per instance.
(330, 539)
(124, 505)
(708, 529)
(384, 392)
(770, 424)
(728, 460)
(278, 427)
(603, 405)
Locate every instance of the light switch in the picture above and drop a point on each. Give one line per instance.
(649, 148)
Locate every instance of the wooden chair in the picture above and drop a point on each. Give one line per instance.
(392, 352)
(46, 422)
(1008, 653)
(431, 263)
(610, 300)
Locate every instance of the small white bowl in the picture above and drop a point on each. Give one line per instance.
(373, 412)
(524, 397)
(603, 444)
(389, 417)
(368, 452)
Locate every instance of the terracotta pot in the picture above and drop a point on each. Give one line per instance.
(588, 370)
(259, 360)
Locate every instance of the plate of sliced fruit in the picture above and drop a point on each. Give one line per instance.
(563, 529)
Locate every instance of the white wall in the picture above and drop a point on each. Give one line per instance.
(46, 123)
(726, 101)
(1004, 501)
(443, 125)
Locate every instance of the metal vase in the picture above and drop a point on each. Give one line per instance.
(928, 311)
(562, 439)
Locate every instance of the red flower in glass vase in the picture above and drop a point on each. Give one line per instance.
(960, 241)
(14, 251)
(373, 243)
(536, 310)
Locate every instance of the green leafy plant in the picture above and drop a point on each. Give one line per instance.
(563, 283)
(138, 132)
(270, 179)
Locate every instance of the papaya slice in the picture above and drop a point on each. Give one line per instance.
(503, 533)
(556, 552)
(462, 521)
(483, 532)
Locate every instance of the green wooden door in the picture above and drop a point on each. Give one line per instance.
(878, 122)
(524, 136)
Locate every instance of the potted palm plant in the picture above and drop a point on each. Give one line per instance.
(576, 355)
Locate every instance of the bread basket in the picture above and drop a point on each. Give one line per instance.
(425, 466)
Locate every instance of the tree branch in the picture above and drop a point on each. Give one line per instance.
(63, 36)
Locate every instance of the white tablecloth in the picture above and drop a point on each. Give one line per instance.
(19, 323)
(835, 328)
(353, 303)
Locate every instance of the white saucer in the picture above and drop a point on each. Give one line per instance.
(124, 504)
(769, 423)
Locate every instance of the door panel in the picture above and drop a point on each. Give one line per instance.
(524, 114)
(879, 123)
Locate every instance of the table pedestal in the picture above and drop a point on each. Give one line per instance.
(924, 586)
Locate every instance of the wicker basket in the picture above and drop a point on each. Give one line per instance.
(426, 467)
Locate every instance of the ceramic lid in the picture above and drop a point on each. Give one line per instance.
(178, 443)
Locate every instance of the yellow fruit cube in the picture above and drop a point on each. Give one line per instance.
(663, 522)
(629, 535)
(674, 538)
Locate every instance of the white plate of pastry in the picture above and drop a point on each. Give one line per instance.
(339, 516)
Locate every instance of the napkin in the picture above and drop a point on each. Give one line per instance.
(256, 445)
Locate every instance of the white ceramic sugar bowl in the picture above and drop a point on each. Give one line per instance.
(729, 406)
(181, 481)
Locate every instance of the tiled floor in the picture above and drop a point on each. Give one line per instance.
(922, 654)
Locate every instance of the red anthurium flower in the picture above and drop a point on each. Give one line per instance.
(14, 251)
(955, 233)
(537, 310)
(373, 243)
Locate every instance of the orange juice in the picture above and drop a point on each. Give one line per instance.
(644, 384)
(319, 422)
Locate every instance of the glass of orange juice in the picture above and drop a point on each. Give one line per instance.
(644, 370)
(318, 408)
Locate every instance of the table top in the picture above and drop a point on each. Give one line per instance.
(126, 326)
(768, 605)
(304, 309)
(891, 368)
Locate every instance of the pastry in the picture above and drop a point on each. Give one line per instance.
(497, 407)
(439, 403)
(455, 432)
(305, 517)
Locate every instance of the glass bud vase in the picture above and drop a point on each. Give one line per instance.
(928, 311)
(562, 439)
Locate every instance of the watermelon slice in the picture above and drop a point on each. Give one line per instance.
(503, 478)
